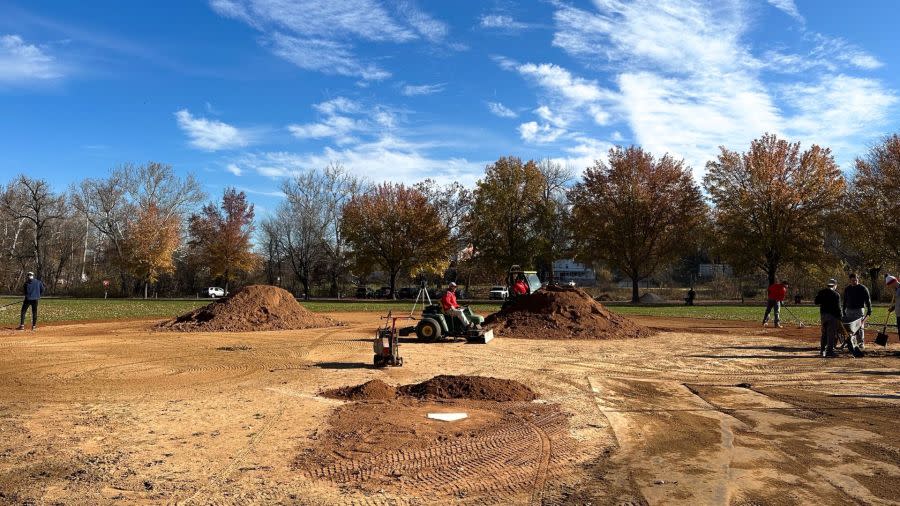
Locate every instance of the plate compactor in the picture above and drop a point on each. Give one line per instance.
(386, 345)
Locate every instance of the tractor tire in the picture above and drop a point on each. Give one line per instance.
(378, 361)
(428, 330)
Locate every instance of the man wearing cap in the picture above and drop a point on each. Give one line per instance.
(857, 304)
(33, 290)
(450, 307)
(776, 294)
(829, 302)
(892, 284)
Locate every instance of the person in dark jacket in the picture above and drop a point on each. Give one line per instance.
(829, 302)
(857, 304)
(33, 290)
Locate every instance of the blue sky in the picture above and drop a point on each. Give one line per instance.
(247, 92)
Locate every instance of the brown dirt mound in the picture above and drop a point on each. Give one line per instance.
(556, 312)
(254, 307)
(374, 390)
(474, 388)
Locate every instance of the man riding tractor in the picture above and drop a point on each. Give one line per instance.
(449, 319)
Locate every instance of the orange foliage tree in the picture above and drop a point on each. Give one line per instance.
(151, 239)
(636, 214)
(773, 203)
(221, 236)
(394, 227)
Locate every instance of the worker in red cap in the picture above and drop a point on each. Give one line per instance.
(892, 284)
(450, 306)
(776, 294)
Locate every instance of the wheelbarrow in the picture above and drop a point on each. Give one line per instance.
(849, 333)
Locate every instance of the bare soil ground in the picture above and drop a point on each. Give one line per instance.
(702, 412)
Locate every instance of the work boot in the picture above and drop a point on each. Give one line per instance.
(777, 325)
(33, 328)
(20, 327)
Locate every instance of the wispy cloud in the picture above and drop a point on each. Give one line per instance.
(502, 22)
(539, 133)
(22, 62)
(321, 36)
(234, 169)
(341, 119)
(422, 89)
(498, 109)
(686, 78)
(211, 135)
(789, 8)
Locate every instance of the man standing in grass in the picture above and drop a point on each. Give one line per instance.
(33, 290)
(857, 304)
(829, 302)
(776, 295)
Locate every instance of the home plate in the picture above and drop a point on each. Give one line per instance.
(447, 417)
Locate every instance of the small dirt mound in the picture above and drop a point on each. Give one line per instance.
(473, 388)
(254, 307)
(650, 298)
(556, 312)
(374, 390)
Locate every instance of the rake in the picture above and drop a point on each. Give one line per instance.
(794, 316)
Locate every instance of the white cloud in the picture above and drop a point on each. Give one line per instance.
(559, 80)
(501, 21)
(387, 158)
(234, 169)
(789, 8)
(21, 62)
(342, 118)
(498, 109)
(423, 89)
(550, 117)
(687, 79)
(321, 36)
(326, 56)
(540, 133)
(211, 135)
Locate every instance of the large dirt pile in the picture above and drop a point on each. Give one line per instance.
(474, 388)
(556, 312)
(254, 307)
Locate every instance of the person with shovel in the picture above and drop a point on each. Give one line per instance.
(892, 284)
(857, 304)
(776, 294)
(33, 290)
(829, 302)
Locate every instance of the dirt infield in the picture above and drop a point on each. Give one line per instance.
(254, 307)
(556, 312)
(701, 412)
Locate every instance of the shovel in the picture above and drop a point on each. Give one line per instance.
(881, 338)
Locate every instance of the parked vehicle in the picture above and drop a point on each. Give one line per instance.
(364, 292)
(216, 292)
(407, 292)
(383, 293)
(499, 293)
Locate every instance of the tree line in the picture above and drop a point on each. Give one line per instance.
(773, 209)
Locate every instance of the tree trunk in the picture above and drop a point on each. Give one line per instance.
(146, 287)
(876, 283)
(305, 282)
(393, 283)
(634, 289)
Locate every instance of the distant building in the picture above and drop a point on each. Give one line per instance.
(566, 270)
(709, 271)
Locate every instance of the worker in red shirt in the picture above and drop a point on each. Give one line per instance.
(451, 308)
(519, 287)
(776, 295)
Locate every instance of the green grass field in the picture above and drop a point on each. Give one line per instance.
(62, 310)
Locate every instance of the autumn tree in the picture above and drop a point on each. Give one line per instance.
(502, 225)
(866, 238)
(772, 203)
(636, 214)
(395, 228)
(150, 241)
(221, 236)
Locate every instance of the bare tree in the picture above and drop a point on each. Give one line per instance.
(32, 201)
